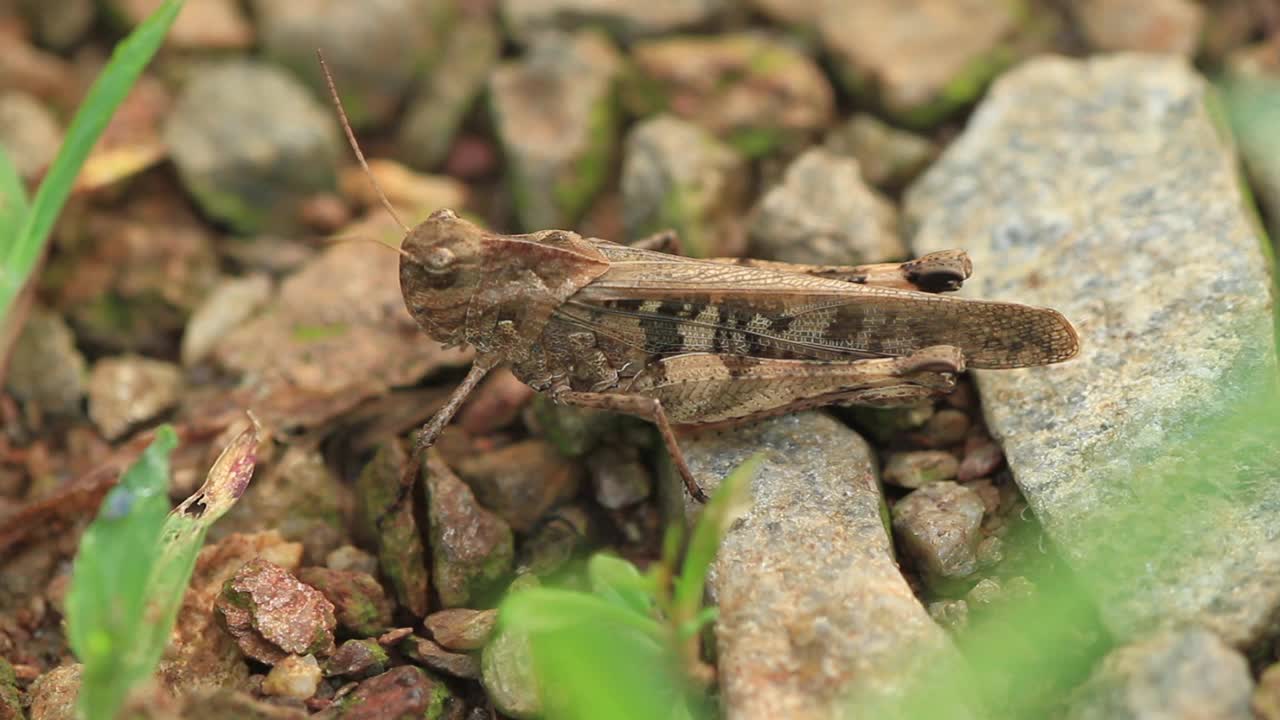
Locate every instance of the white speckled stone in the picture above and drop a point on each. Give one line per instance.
(812, 606)
(1103, 189)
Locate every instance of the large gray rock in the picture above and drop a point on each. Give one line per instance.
(554, 112)
(1185, 674)
(251, 144)
(812, 607)
(1102, 188)
(823, 212)
(677, 176)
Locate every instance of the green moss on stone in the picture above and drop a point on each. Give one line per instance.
(575, 190)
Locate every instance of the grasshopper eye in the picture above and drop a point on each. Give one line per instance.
(439, 260)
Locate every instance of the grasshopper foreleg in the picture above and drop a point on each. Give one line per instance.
(427, 436)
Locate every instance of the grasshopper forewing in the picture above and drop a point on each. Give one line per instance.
(693, 343)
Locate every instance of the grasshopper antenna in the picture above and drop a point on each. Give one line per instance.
(364, 238)
(351, 138)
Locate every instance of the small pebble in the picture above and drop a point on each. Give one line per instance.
(946, 427)
(461, 628)
(950, 614)
(938, 525)
(915, 469)
(350, 557)
(989, 493)
(980, 461)
(296, 676)
(126, 390)
(990, 552)
(985, 592)
(1266, 697)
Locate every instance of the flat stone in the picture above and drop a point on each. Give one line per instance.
(554, 112)
(471, 548)
(251, 143)
(45, 367)
(1181, 674)
(462, 628)
(125, 390)
(939, 525)
(1153, 26)
(921, 60)
(29, 133)
(887, 156)
(1088, 186)
(442, 98)
(390, 520)
(375, 49)
(823, 212)
(678, 176)
(401, 692)
(753, 91)
(526, 18)
(521, 481)
(232, 301)
(812, 605)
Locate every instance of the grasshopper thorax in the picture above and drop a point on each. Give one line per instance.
(463, 284)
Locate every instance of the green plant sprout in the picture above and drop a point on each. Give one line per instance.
(25, 227)
(133, 566)
(630, 646)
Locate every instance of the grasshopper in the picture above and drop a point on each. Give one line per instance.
(686, 343)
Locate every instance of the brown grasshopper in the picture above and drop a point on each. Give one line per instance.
(687, 343)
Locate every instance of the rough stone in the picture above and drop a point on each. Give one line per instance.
(554, 111)
(471, 548)
(506, 667)
(357, 658)
(1152, 26)
(29, 133)
(750, 90)
(45, 367)
(824, 213)
(888, 157)
(1266, 697)
(443, 98)
(360, 605)
(296, 676)
(402, 692)
(812, 605)
(383, 516)
(126, 390)
(919, 468)
(521, 481)
(923, 60)
(1150, 459)
(1188, 673)
(374, 48)
(426, 652)
(53, 695)
(251, 144)
(461, 628)
(525, 19)
(938, 525)
(230, 303)
(273, 615)
(677, 176)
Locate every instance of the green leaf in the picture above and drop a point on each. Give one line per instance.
(106, 599)
(619, 582)
(730, 501)
(13, 200)
(19, 253)
(134, 563)
(590, 665)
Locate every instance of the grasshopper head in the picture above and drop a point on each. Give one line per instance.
(464, 284)
(440, 271)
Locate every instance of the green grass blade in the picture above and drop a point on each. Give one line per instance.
(730, 500)
(18, 257)
(13, 202)
(106, 600)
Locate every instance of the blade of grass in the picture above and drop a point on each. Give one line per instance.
(19, 254)
(13, 201)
